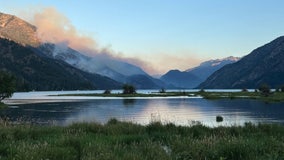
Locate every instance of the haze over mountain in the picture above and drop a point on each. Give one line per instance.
(191, 78)
(16, 29)
(264, 65)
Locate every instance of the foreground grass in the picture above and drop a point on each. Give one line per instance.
(122, 140)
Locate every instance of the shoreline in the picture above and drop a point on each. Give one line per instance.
(272, 97)
(73, 97)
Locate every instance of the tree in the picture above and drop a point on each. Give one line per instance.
(264, 89)
(244, 90)
(7, 85)
(282, 88)
(162, 90)
(107, 91)
(128, 89)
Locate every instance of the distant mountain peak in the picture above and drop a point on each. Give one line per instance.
(216, 62)
(230, 58)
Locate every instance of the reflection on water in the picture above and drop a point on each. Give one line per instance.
(175, 110)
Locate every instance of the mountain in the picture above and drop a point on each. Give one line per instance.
(264, 65)
(18, 30)
(103, 65)
(180, 79)
(191, 78)
(100, 64)
(205, 69)
(35, 72)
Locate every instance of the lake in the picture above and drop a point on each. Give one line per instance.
(40, 108)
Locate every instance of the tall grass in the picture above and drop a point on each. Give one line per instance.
(124, 140)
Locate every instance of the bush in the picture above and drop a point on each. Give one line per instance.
(264, 90)
(219, 118)
(282, 88)
(2, 105)
(128, 89)
(244, 90)
(162, 90)
(107, 91)
(202, 90)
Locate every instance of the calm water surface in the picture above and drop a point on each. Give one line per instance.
(178, 110)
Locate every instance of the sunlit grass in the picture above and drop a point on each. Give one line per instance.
(125, 140)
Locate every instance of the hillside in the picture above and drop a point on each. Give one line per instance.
(35, 72)
(264, 65)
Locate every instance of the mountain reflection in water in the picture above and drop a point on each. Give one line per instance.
(180, 111)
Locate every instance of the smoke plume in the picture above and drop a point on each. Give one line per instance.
(56, 28)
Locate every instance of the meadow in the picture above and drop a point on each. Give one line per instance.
(125, 140)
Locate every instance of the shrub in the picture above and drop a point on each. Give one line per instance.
(162, 90)
(219, 118)
(265, 90)
(282, 88)
(128, 89)
(107, 91)
(202, 90)
(244, 90)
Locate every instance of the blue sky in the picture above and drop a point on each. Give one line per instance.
(169, 34)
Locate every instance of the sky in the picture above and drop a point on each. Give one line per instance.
(160, 35)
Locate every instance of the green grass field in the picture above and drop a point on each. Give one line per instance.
(124, 140)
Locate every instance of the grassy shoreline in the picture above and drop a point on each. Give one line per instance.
(168, 94)
(273, 97)
(124, 140)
